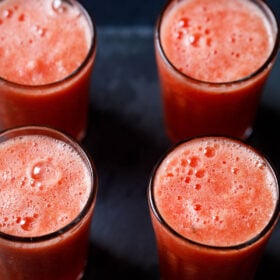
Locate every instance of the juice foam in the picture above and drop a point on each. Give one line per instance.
(209, 40)
(52, 40)
(44, 185)
(215, 192)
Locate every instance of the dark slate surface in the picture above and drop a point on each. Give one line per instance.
(134, 12)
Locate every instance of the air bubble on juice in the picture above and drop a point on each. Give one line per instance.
(58, 6)
(184, 22)
(200, 173)
(44, 173)
(190, 172)
(194, 39)
(21, 17)
(209, 42)
(41, 31)
(179, 35)
(184, 162)
(187, 180)
(169, 174)
(215, 218)
(27, 223)
(8, 13)
(260, 165)
(236, 55)
(234, 170)
(23, 181)
(194, 161)
(209, 152)
(197, 207)
(48, 205)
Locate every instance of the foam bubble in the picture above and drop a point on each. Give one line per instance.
(194, 161)
(58, 6)
(8, 13)
(44, 173)
(39, 30)
(200, 173)
(209, 151)
(184, 22)
(197, 207)
(21, 17)
(27, 223)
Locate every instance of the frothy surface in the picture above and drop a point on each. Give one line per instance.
(42, 41)
(215, 192)
(44, 184)
(216, 41)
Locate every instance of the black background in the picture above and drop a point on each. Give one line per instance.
(134, 12)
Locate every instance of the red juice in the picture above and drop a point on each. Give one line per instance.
(48, 189)
(213, 59)
(47, 53)
(214, 202)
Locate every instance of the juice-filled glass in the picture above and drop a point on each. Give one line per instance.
(48, 48)
(213, 59)
(214, 203)
(48, 187)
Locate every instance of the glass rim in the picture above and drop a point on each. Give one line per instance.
(270, 16)
(91, 53)
(156, 212)
(88, 161)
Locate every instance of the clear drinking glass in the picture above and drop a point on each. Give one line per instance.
(210, 77)
(48, 192)
(45, 76)
(214, 203)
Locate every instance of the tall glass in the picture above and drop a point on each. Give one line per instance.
(214, 58)
(214, 203)
(46, 66)
(48, 188)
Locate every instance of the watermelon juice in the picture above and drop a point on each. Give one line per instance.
(48, 189)
(213, 59)
(214, 202)
(47, 53)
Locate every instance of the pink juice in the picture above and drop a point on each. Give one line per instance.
(47, 52)
(214, 202)
(46, 204)
(213, 59)
(209, 40)
(45, 49)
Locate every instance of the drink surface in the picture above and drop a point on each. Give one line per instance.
(215, 192)
(42, 41)
(209, 40)
(44, 185)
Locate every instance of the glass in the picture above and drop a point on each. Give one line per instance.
(214, 203)
(194, 103)
(45, 233)
(31, 94)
